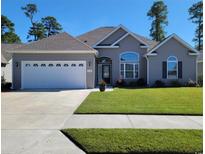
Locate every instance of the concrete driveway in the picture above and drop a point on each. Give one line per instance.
(31, 121)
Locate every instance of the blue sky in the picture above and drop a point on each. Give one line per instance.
(79, 16)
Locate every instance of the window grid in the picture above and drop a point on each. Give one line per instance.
(135, 71)
(172, 59)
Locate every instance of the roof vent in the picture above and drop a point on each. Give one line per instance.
(85, 41)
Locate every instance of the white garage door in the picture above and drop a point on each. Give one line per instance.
(53, 74)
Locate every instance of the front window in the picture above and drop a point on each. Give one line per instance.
(172, 67)
(129, 65)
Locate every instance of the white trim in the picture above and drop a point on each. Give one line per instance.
(22, 85)
(124, 36)
(176, 68)
(153, 54)
(142, 46)
(109, 34)
(147, 70)
(55, 52)
(196, 72)
(106, 47)
(124, 28)
(178, 39)
(12, 71)
(134, 35)
(193, 54)
(134, 63)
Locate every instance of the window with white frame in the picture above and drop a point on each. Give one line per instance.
(172, 67)
(129, 65)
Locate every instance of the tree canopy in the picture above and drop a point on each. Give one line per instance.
(30, 10)
(51, 25)
(196, 16)
(37, 31)
(8, 32)
(46, 27)
(158, 13)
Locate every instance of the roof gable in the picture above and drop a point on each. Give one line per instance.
(177, 38)
(94, 36)
(122, 37)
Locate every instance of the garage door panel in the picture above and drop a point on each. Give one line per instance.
(47, 74)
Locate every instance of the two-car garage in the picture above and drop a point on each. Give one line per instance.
(59, 61)
(53, 74)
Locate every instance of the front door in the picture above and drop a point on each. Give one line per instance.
(106, 73)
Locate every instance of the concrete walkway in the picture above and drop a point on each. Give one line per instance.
(31, 121)
(134, 121)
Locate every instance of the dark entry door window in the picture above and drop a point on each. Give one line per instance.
(106, 73)
(104, 66)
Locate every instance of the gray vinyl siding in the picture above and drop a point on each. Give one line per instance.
(172, 48)
(89, 58)
(127, 44)
(200, 68)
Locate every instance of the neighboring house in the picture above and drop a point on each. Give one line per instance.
(200, 64)
(106, 53)
(6, 61)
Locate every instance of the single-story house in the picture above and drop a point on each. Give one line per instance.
(105, 53)
(6, 61)
(200, 63)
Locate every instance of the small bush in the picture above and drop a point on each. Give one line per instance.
(102, 83)
(120, 83)
(200, 80)
(175, 83)
(6, 86)
(141, 82)
(3, 80)
(132, 84)
(191, 83)
(159, 83)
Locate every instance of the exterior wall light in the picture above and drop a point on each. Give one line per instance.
(17, 64)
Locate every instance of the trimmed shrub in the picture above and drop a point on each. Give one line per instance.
(141, 82)
(175, 83)
(120, 83)
(191, 83)
(6, 86)
(132, 84)
(159, 83)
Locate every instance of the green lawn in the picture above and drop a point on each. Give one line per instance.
(185, 101)
(143, 141)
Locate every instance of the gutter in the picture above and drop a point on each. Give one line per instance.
(54, 52)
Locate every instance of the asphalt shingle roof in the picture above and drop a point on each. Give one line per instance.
(62, 41)
(5, 56)
(93, 36)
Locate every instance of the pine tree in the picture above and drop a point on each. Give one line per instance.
(8, 32)
(196, 16)
(158, 13)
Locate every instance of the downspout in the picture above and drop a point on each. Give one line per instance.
(147, 70)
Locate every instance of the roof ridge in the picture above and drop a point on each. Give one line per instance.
(96, 29)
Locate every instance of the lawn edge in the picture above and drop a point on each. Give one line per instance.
(84, 150)
(121, 113)
(73, 140)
